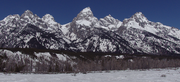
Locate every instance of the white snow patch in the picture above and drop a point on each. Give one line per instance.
(27, 39)
(54, 46)
(131, 60)
(67, 40)
(65, 28)
(46, 55)
(104, 27)
(84, 22)
(49, 19)
(148, 27)
(119, 24)
(120, 57)
(86, 10)
(61, 57)
(73, 36)
(107, 56)
(175, 33)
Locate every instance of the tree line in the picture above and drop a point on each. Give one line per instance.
(29, 63)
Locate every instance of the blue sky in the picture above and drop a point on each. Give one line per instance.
(164, 11)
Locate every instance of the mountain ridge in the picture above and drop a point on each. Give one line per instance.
(87, 33)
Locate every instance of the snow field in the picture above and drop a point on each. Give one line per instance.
(153, 75)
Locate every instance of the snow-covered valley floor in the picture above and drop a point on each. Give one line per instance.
(153, 75)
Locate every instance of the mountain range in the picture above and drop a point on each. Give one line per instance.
(86, 33)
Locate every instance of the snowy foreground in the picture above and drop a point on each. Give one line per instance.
(154, 75)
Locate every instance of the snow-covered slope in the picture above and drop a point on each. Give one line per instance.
(50, 22)
(134, 35)
(31, 31)
(149, 37)
(110, 23)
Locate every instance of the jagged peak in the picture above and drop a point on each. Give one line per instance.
(48, 16)
(140, 16)
(86, 12)
(109, 16)
(27, 13)
(87, 9)
(138, 13)
(16, 15)
(12, 16)
(49, 19)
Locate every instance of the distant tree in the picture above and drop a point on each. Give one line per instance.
(50, 69)
(17, 69)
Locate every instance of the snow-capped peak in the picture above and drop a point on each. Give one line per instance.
(138, 13)
(109, 18)
(87, 33)
(86, 12)
(87, 9)
(85, 17)
(48, 18)
(138, 16)
(51, 23)
(109, 15)
(27, 14)
(110, 22)
(28, 11)
(11, 17)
